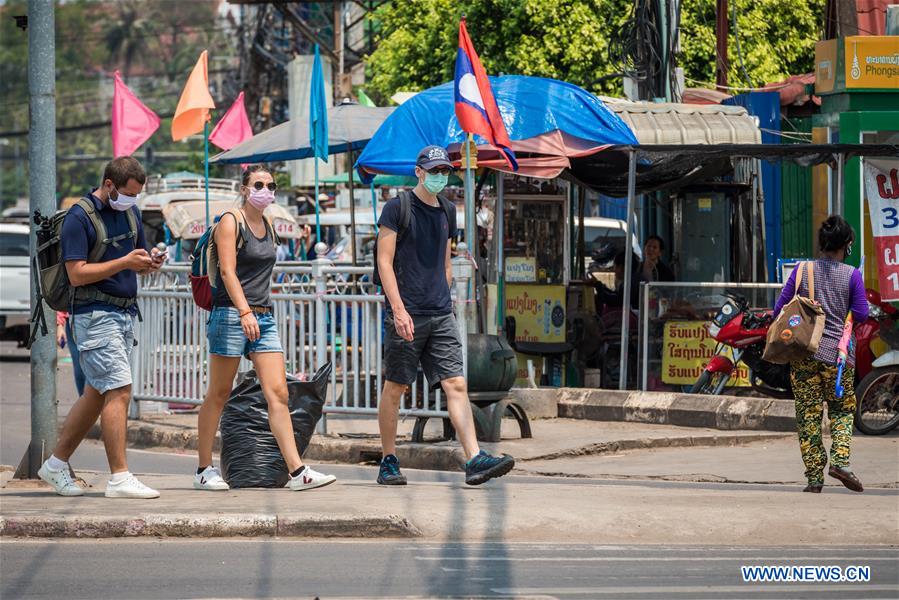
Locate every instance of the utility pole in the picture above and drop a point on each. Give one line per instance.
(721, 30)
(42, 190)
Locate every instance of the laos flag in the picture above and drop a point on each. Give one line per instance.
(476, 108)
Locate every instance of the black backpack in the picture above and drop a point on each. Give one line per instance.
(49, 270)
(405, 198)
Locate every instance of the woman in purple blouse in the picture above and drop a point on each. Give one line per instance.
(839, 289)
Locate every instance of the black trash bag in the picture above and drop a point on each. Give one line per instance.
(250, 453)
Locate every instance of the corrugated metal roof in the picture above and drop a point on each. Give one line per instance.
(668, 123)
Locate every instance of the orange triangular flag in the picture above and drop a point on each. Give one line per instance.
(193, 107)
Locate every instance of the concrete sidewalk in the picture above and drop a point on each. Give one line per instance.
(772, 461)
(353, 440)
(512, 509)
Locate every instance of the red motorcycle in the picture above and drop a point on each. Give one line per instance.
(740, 334)
(877, 368)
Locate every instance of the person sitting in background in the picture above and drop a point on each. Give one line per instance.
(653, 268)
(614, 298)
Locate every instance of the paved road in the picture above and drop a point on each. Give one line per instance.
(275, 568)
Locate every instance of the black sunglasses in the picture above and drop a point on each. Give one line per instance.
(439, 171)
(272, 186)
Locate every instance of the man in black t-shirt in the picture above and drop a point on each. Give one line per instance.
(416, 272)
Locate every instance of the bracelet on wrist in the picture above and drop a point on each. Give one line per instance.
(248, 312)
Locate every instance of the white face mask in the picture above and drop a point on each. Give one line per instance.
(122, 202)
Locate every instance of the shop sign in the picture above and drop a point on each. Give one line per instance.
(687, 349)
(882, 186)
(825, 66)
(521, 269)
(539, 312)
(872, 62)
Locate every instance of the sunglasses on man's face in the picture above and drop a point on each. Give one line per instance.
(272, 186)
(439, 171)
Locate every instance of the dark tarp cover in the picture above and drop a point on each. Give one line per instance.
(667, 166)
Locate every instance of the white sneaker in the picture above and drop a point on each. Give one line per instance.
(210, 479)
(130, 488)
(309, 480)
(61, 481)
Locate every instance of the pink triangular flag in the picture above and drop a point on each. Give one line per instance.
(132, 122)
(234, 127)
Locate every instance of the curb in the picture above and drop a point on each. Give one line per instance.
(434, 457)
(190, 526)
(686, 410)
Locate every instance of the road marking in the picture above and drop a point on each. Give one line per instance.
(668, 590)
(743, 559)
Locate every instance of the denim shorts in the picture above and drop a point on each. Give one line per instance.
(104, 340)
(226, 336)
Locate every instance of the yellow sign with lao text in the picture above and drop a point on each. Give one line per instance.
(539, 312)
(687, 349)
(872, 62)
(521, 269)
(522, 376)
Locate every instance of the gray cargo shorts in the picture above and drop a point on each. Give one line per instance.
(436, 346)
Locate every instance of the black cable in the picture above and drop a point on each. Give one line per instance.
(739, 48)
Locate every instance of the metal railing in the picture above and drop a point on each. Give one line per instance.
(663, 302)
(323, 312)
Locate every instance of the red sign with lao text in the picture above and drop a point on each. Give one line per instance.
(882, 186)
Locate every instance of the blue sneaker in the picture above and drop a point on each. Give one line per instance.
(485, 467)
(390, 473)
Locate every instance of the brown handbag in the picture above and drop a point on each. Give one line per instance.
(796, 332)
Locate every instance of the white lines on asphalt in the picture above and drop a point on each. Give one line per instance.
(667, 590)
(743, 559)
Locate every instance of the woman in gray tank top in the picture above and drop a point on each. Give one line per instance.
(242, 324)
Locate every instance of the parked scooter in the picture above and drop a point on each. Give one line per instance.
(741, 334)
(877, 391)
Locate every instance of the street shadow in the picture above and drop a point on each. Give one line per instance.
(266, 557)
(466, 567)
(21, 585)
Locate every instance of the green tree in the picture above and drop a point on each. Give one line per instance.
(156, 41)
(776, 38)
(570, 40)
(562, 39)
(128, 37)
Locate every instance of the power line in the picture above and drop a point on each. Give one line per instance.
(71, 128)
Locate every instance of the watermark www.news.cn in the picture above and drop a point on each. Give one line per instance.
(805, 573)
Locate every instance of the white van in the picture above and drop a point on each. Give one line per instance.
(601, 231)
(15, 282)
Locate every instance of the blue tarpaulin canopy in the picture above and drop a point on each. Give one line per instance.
(531, 107)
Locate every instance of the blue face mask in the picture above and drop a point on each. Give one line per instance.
(435, 182)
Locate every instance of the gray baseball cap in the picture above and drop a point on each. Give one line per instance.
(433, 156)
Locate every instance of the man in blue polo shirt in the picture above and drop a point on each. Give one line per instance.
(104, 308)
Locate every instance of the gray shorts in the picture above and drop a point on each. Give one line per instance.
(436, 346)
(105, 339)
